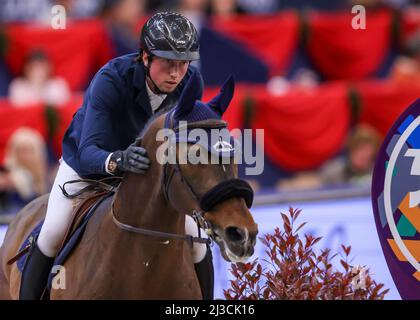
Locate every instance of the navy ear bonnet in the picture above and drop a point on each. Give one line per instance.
(212, 135)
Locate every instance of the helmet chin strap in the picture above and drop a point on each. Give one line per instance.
(155, 87)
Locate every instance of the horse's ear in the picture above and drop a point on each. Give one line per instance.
(222, 100)
(192, 92)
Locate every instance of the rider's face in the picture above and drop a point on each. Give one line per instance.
(166, 74)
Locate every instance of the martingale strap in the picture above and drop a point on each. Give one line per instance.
(225, 190)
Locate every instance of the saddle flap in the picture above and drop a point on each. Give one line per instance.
(80, 212)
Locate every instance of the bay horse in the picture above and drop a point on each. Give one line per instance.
(112, 260)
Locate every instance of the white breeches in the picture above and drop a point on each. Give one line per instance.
(60, 209)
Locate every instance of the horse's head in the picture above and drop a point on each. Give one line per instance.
(199, 175)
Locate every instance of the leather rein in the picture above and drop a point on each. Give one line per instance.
(198, 215)
(217, 194)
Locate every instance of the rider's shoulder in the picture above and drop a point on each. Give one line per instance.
(120, 66)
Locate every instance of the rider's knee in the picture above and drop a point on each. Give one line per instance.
(50, 241)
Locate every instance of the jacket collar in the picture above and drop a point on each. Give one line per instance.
(142, 98)
(139, 77)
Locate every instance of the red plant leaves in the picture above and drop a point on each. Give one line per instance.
(297, 271)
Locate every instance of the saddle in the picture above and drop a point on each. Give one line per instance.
(79, 215)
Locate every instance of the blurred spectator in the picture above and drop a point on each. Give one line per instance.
(398, 4)
(37, 84)
(194, 10)
(355, 167)
(25, 165)
(368, 4)
(77, 9)
(257, 6)
(224, 8)
(278, 86)
(41, 10)
(303, 80)
(122, 18)
(376, 4)
(24, 10)
(406, 69)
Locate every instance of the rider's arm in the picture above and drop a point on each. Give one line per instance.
(103, 96)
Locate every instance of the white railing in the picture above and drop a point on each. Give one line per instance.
(282, 197)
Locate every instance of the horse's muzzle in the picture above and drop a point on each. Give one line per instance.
(236, 244)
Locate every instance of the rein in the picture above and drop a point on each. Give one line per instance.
(93, 185)
(222, 191)
(147, 232)
(102, 185)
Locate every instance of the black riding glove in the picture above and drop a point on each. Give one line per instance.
(133, 159)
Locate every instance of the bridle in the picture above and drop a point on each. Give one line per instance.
(222, 191)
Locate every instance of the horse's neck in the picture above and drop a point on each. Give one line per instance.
(141, 204)
(137, 261)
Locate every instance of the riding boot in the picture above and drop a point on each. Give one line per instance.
(205, 275)
(35, 274)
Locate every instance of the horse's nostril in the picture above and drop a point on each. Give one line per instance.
(235, 234)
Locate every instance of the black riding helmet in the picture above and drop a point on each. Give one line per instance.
(171, 36)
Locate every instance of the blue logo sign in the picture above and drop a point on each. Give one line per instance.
(396, 200)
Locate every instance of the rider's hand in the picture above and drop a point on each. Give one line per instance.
(133, 159)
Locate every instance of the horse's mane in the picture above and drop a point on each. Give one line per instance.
(152, 118)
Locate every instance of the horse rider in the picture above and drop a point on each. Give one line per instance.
(120, 99)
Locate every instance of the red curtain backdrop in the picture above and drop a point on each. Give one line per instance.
(273, 38)
(340, 52)
(12, 119)
(76, 52)
(382, 103)
(303, 129)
